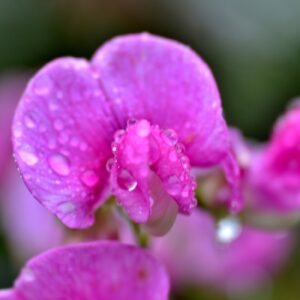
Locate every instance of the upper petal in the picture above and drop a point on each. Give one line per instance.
(165, 82)
(102, 270)
(61, 133)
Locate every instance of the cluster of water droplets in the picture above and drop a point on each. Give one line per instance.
(165, 157)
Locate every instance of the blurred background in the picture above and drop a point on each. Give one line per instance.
(252, 47)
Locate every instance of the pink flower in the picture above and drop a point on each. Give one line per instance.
(193, 254)
(132, 122)
(101, 270)
(274, 175)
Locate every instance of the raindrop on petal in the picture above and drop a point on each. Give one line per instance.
(131, 122)
(29, 122)
(143, 128)
(126, 181)
(170, 137)
(27, 155)
(59, 164)
(109, 164)
(89, 178)
(118, 135)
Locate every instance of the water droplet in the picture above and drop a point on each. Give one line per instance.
(131, 122)
(126, 181)
(27, 155)
(170, 137)
(89, 178)
(66, 207)
(58, 125)
(114, 147)
(228, 229)
(59, 164)
(185, 161)
(29, 122)
(151, 201)
(28, 275)
(143, 128)
(173, 185)
(17, 131)
(185, 192)
(179, 147)
(118, 135)
(109, 164)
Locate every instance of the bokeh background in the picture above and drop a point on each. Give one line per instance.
(253, 48)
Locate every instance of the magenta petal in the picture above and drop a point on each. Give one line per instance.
(275, 172)
(102, 270)
(8, 294)
(165, 82)
(61, 140)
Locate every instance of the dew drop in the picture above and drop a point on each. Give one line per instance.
(109, 164)
(59, 164)
(179, 147)
(29, 122)
(89, 178)
(143, 128)
(17, 131)
(185, 192)
(63, 138)
(66, 207)
(173, 185)
(28, 156)
(83, 146)
(126, 181)
(131, 122)
(118, 135)
(114, 147)
(74, 142)
(185, 161)
(53, 106)
(228, 229)
(170, 137)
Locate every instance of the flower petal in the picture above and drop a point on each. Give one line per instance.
(275, 171)
(102, 270)
(62, 131)
(168, 84)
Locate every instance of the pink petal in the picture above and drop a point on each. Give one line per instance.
(62, 132)
(140, 152)
(275, 172)
(153, 78)
(102, 270)
(168, 84)
(244, 263)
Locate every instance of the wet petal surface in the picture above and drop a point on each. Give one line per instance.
(103, 270)
(62, 134)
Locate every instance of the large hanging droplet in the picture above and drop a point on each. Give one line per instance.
(228, 229)
(28, 156)
(126, 181)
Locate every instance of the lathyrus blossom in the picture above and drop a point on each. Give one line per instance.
(195, 253)
(132, 121)
(101, 270)
(274, 174)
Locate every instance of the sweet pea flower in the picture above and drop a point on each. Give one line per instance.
(131, 122)
(100, 270)
(274, 174)
(196, 254)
